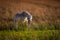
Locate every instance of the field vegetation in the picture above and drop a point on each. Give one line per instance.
(45, 24)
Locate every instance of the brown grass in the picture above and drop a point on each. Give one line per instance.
(42, 11)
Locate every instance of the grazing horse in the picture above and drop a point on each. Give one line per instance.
(23, 17)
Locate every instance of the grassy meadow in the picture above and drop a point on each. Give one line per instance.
(45, 23)
(36, 32)
(30, 35)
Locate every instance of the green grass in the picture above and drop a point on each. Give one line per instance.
(36, 32)
(30, 35)
(32, 27)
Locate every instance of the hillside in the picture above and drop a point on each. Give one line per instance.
(43, 11)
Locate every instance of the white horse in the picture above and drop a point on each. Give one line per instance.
(23, 17)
